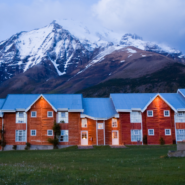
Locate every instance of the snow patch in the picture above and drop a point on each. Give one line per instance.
(129, 56)
(131, 50)
(122, 61)
(8, 47)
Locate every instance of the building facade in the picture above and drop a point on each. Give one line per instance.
(121, 119)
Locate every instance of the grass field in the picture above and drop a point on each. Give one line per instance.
(102, 165)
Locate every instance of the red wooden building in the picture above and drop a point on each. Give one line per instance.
(118, 120)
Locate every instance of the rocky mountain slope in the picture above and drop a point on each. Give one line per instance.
(71, 57)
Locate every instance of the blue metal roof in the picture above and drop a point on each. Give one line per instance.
(1, 102)
(182, 91)
(101, 108)
(174, 99)
(128, 101)
(19, 101)
(24, 101)
(69, 101)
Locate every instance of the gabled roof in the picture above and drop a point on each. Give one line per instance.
(140, 101)
(181, 91)
(131, 101)
(175, 100)
(98, 108)
(71, 102)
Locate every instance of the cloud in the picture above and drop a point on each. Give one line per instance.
(158, 20)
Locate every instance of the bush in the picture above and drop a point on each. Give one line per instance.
(28, 145)
(54, 142)
(162, 141)
(14, 147)
(145, 139)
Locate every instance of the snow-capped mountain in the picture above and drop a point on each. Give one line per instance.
(71, 47)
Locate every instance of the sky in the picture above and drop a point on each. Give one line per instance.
(161, 21)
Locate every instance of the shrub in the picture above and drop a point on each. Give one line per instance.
(28, 145)
(161, 140)
(14, 147)
(145, 139)
(62, 121)
(54, 142)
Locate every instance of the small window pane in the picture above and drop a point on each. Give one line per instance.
(100, 125)
(50, 114)
(150, 113)
(64, 136)
(114, 122)
(63, 114)
(150, 132)
(33, 132)
(21, 115)
(168, 132)
(84, 123)
(50, 132)
(33, 114)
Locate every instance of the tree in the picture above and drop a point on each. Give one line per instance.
(3, 143)
(56, 131)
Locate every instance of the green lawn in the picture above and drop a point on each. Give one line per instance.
(102, 165)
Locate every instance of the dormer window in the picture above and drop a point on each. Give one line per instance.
(20, 117)
(62, 117)
(135, 117)
(114, 123)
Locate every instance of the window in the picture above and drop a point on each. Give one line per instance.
(50, 132)
(166, 113)
(151, 132)
(33, 132)
(180, 117)
(62, 117)
(50, 114)
(64, 136)
(20, 117)
(20, 135)
(84, 123)
(135, 117)
(150, 113)
(135, 135)
(180, 134)
(33, 114)
(167, 132)
(114, 122)
(100, 125)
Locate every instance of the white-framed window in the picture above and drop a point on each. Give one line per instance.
(33, 132)
(62, 117)
(50, 114)
(33, 114)
(114, 122)
(20, 135)
(64, 136)
(166, 113)
(100, 125)
(151, 132)
(180, 134)
(50, 132)
(84, 123)
(20, 117)
(150, 113)
(136, 135)
(135, 117)
(180, 117)
(167, 132)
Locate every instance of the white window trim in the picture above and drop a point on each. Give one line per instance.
(32, 134)
(168, 134)
(48, 131)
(35, 114)
(102, 127)
(150, 115)
(168, 113)
(116, 123)
(48, 115)
(149, 132)
(67, 138)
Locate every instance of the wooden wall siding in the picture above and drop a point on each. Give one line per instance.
(91, 128)
(41, 123)
(159, 123)
(100, 136)
(10, 127)
(127, 127)
(180, 125)
(108, 132)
